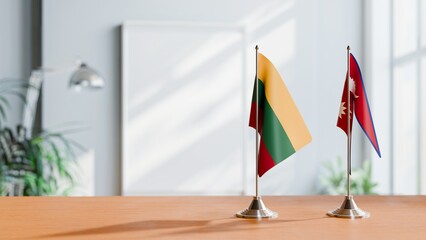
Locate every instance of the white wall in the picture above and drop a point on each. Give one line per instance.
(305, 39)
(399, 125)
(15, 48)
(378, 67)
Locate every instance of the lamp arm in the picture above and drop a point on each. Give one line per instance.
(83, 76)
(33, 93)
(31, 101)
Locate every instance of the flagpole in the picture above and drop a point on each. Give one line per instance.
(348, 209)
(349, 146)
(257, 127)
(257, 208)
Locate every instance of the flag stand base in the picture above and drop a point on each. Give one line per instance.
(349, 209)
(257, 209)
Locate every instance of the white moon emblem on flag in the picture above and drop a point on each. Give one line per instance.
(352, 86)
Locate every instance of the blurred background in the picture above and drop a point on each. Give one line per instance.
(172, 116)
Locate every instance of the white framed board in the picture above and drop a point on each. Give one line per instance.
(183, 109)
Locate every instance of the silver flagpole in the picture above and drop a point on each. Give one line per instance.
(257, 126)
(348, 209)
(349, 135)
(257, 208)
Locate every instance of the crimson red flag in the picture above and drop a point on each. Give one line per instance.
(359, 102)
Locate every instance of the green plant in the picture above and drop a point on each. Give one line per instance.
(335, 181)
(33, 165)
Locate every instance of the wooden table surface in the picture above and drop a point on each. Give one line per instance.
(392, 217)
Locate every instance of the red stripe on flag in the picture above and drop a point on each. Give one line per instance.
(252, 121)
(265, 160)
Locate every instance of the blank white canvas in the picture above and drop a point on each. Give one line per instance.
(182, 109)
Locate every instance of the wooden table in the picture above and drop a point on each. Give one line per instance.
(392, 217)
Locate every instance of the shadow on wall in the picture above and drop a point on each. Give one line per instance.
(187, 103)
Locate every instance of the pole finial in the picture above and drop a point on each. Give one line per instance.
(257, 47)
(348, 48)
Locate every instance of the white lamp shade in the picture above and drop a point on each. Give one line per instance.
(86, 77)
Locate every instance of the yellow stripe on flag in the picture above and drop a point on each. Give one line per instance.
(282, 103)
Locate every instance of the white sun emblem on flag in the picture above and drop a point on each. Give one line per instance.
(342, 110)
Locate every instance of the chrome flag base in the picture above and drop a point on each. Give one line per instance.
(349, 209)
(257, 209)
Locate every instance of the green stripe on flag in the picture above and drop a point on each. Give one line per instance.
(276, 140)
(274, 136)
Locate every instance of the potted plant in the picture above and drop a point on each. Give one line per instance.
(334, 180)
(33, 165)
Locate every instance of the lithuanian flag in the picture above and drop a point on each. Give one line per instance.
(281, 126)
